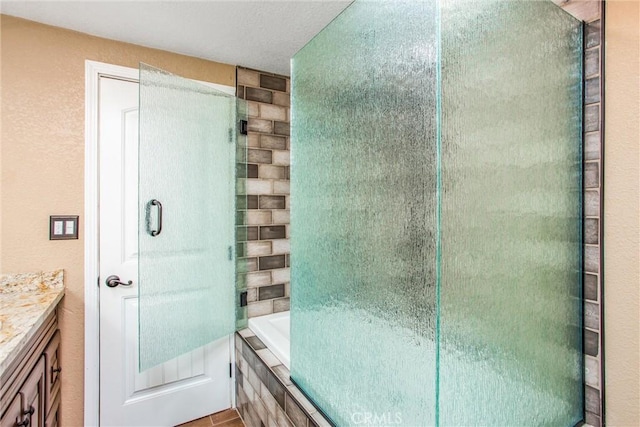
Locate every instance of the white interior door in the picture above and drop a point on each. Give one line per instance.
(188, 387)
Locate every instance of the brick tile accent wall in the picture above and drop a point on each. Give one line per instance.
(265, 395)
(264, 221)
(590, 11)
(593, 342)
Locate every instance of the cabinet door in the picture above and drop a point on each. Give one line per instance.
(13, 416)
(54, 413)
(52, 371)
(33, 395)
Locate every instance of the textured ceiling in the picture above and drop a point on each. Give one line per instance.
(256, 34)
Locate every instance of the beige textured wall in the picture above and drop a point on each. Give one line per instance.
(42, 169)
(621, 213)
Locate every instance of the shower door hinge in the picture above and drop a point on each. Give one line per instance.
(243, 127)
(98, 281)
(243, 299)
(230, 369)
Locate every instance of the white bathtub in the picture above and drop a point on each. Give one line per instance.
(274, 331)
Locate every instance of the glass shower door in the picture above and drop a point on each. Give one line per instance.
(186, 215)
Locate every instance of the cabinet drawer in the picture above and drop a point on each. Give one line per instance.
(53, 370)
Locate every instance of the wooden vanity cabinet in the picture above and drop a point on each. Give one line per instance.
(30, 387)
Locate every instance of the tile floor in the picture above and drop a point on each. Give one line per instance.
(227, 418)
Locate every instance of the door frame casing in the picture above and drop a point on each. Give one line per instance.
(93, 72)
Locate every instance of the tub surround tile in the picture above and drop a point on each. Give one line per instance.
(281, 216)
(592, 146)
(268, 357)
(283, 420)
(591, 315)
(591, 175)
(592, 318)
(592, 90)
(270, 292)
(592, 62)
(273, 112)
(271, 172)
(26, 300)
(281, 275)
(271, 261)
(281, 128)
(591, 230)
(273, 82)
(258, 218)
(267, 171)
(258, 187)
(279, 401)
(282, 304)
(281, 157)
(255, 343)
(301, 399)
(592, 400)
(270, 232)
(592, 118)
(591, 287)
(282, 246)
(257, 95)
(272, 202)
(273, 142)
(591, 343)
(260, 308)
(318, 420)
(281, 99)
(268, 399)
(592, 36)
(253, 140)
(295, 413)
(592, 203)
(281, 187)
(592, 371)
(247, 77)
(258, 156)
(592, 259)
(246, 332)
(258, 248)
(282, 373)
(258, 279)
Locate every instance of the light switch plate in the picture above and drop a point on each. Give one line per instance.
(63, 227)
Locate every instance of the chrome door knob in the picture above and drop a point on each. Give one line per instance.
(113, 281)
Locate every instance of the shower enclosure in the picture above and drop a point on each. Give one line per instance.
(436, 222)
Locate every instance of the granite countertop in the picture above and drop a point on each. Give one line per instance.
(26, 300)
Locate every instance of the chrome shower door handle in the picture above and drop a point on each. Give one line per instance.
(154, 202)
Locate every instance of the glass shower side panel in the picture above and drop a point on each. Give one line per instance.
(510, 326)
(363, 225)
(187, 163)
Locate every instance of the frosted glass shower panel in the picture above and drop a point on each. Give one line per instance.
(186, 237)
(363, 324)
(510, 281)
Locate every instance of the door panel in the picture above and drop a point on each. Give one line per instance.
(188, 387)
(186, 215)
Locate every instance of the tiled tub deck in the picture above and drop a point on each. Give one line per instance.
(265, 395)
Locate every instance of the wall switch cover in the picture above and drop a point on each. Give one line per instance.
(63, 227)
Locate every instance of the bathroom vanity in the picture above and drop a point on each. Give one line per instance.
(29, 350)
